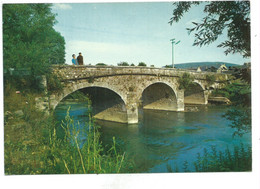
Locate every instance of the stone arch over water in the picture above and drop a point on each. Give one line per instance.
(195, 94)
(75, 87)
(159, 96)
(115, 110)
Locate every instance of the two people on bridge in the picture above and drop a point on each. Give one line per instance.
(78, 61)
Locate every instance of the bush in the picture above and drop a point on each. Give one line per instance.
(26, 136)
(26, 83)
(237, 93)
(213, 161)
(101, 64)
(210, 79)
(54, 84)
(123, 64)
(142, 64)
(238, 160)
(185, 81)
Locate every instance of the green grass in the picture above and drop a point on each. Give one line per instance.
(72, 158)
(32, 144)
(237, 160)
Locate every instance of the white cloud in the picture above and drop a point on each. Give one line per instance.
(61, 6)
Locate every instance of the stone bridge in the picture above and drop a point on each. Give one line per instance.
(138, 87)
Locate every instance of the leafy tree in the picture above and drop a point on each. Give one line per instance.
(240, 114)
(101, 64)
(123, 64)
(142, 64)
(29, 39)
(230, 16)
(240, 120)
(210, 79)
(185, 81)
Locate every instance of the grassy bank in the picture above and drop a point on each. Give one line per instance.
(33, 146)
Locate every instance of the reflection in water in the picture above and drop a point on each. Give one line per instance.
(162, 138)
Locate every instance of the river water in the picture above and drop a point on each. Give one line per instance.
(162, 139)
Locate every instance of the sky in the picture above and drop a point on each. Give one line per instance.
(111, 33)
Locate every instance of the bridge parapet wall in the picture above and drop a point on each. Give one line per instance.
(67, 72)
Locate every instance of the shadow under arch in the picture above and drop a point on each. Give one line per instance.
(195, 94)
(70, 89)
(159, 96)
(107, 104)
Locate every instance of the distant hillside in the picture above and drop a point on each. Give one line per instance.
(190, 65)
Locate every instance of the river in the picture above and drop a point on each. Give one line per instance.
(162, 139)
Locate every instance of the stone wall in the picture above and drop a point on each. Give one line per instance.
(71, 72)
(130, 83)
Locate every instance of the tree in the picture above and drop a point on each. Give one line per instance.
(233, 16)
(29, 39)
(186, 81)
(123, 64)
(141, 64)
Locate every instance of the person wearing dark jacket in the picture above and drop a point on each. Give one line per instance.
(80, 59)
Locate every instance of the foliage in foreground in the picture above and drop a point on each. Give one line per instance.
(72, 155)
(32, 144)
(239, 114)
(240, 120)
(25, 134)
(233, 16)
(238, 160)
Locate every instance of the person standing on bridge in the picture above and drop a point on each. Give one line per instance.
(74, 60)
(80, 59)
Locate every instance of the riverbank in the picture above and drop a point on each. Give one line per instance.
(35, 144)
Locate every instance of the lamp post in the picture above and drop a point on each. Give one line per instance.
(173, 43)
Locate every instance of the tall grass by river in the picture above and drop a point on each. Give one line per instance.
(32, 144)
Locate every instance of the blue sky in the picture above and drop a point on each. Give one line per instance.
(133, 32)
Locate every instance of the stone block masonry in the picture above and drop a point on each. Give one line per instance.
(157, 88)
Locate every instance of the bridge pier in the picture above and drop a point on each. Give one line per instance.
(132, 113)
(180, 100)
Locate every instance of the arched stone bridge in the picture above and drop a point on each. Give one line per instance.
(150, 88)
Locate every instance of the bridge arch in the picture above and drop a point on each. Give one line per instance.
(77, 86)
(195, 94)
(159, 96)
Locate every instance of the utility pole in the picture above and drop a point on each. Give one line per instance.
(173, 43)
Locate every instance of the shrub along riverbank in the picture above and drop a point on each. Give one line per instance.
(33, 146)
(237, 159)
